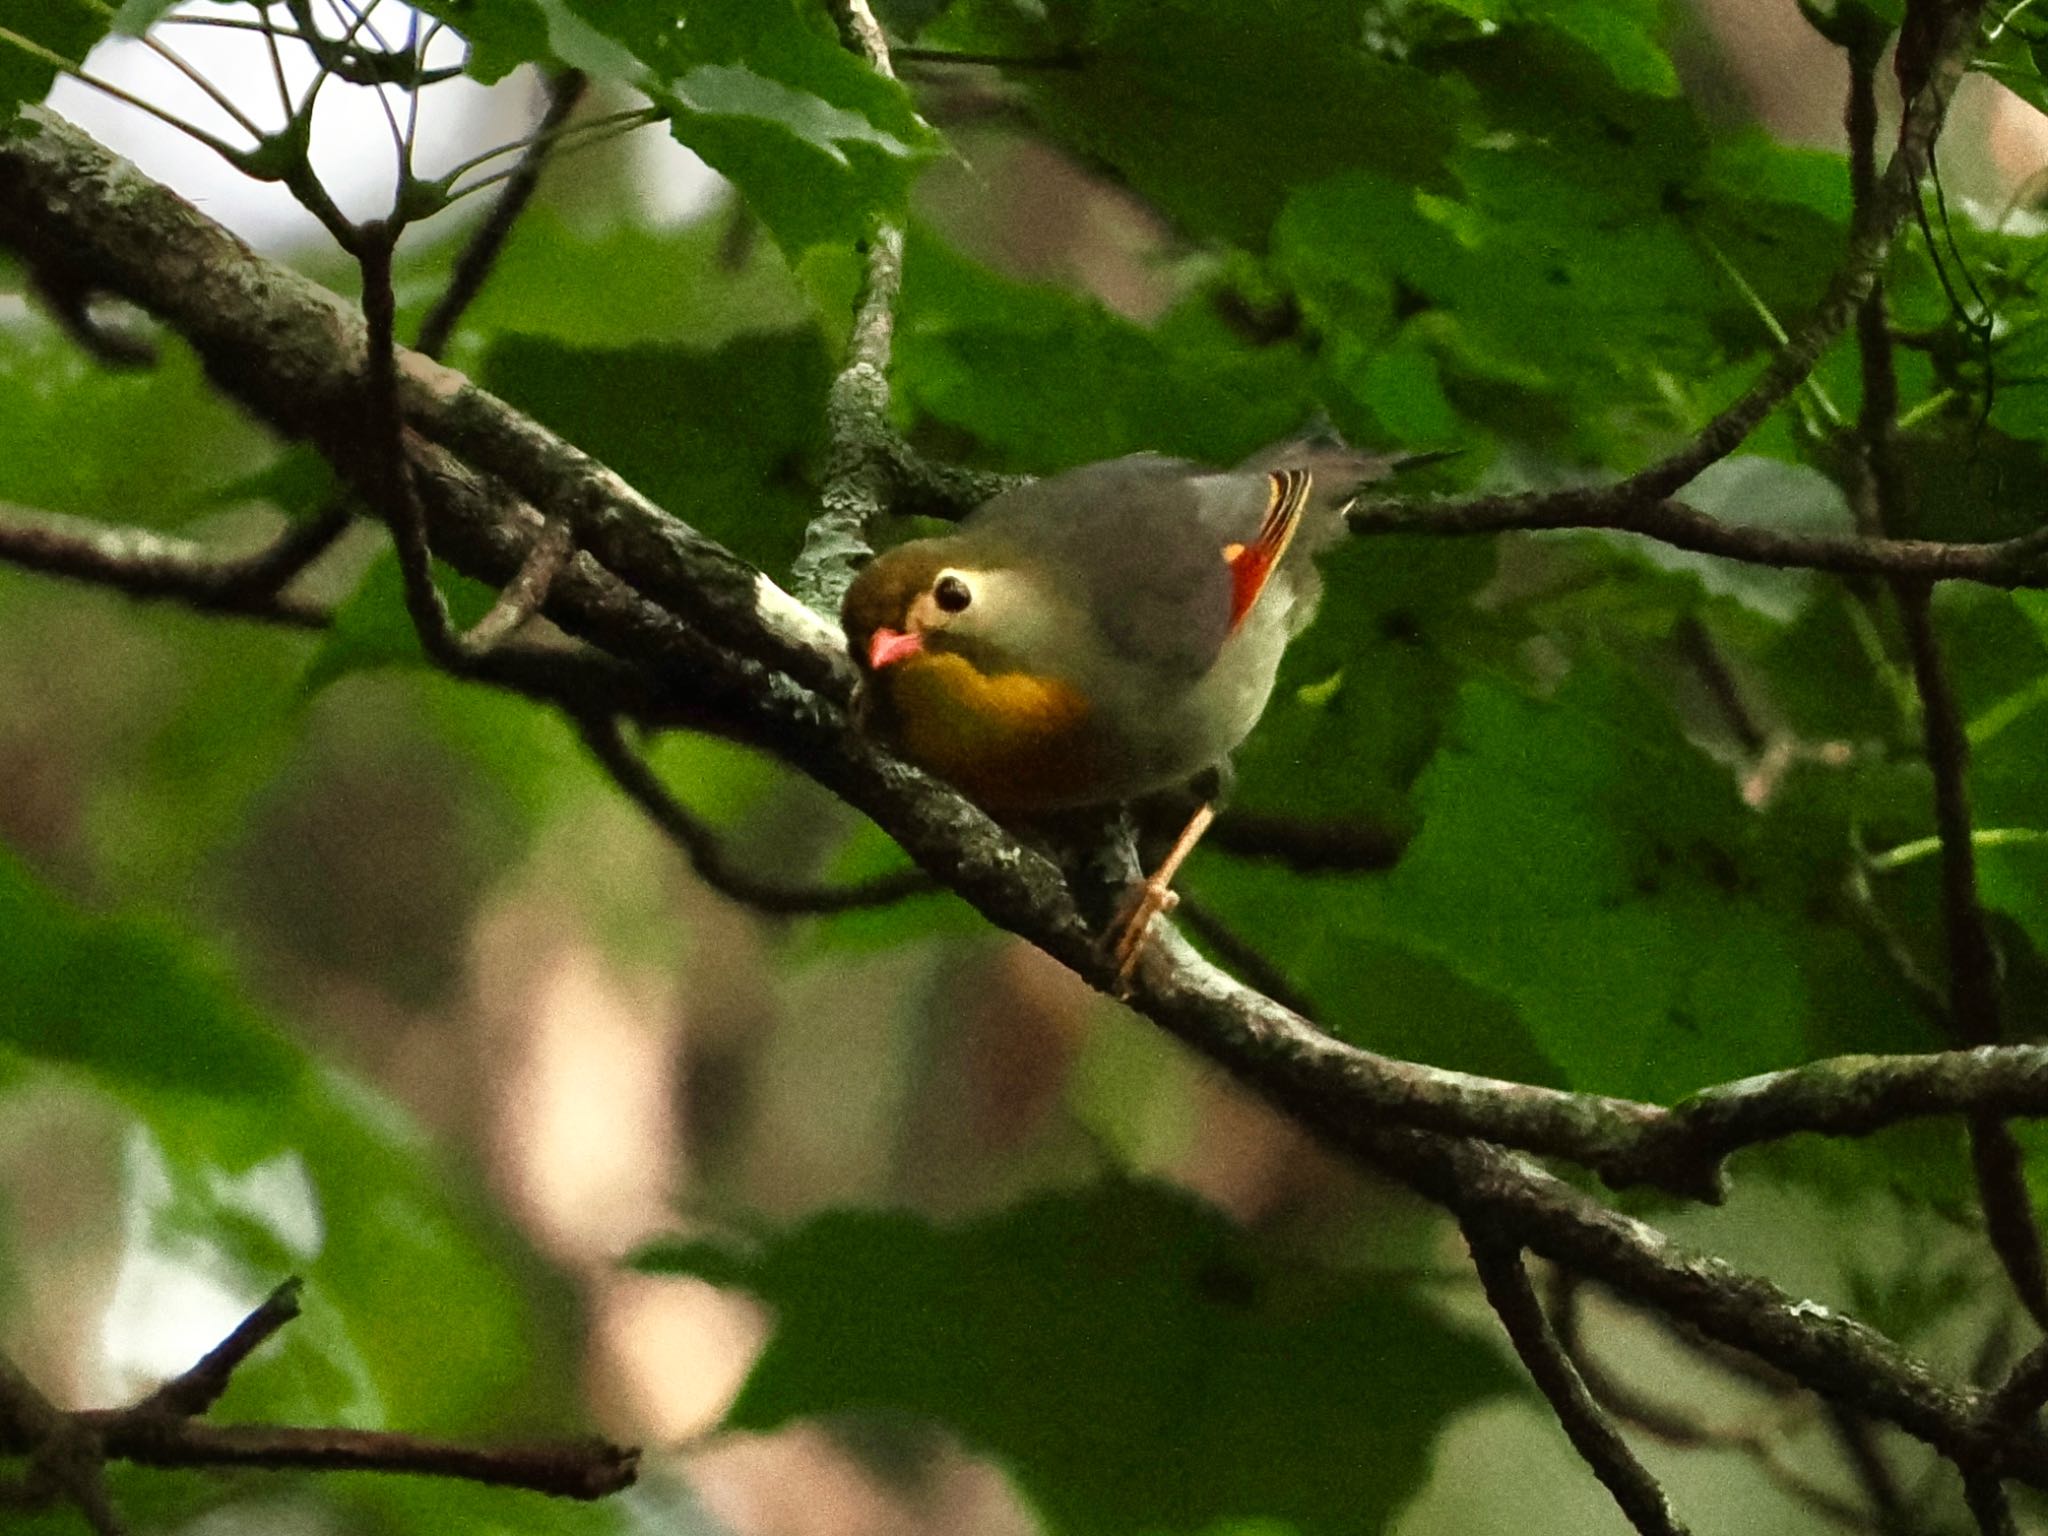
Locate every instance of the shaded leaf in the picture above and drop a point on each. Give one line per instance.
(1130, 1357)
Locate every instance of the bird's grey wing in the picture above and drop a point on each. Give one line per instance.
(1145, 537)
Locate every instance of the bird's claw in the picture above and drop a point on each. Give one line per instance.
(1154, 899)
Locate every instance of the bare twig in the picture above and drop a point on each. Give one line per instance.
(473, 266)
(1591, 1432)
(144, 564)
(708, 856)
(274, 567)
(526, 593)
(199, 1388)
(564, 1469)
(163, 1430)
(2018, 562)
(1861, 1448)
(1762, 1442)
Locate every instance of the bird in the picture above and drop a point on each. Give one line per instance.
(1103, 634)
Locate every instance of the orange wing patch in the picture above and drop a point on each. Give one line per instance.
(1252, 564)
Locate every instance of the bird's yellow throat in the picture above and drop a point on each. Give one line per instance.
(1010, 740)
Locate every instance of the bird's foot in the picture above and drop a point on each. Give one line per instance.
(1154, 899)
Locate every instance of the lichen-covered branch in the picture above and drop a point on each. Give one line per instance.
(858, 474)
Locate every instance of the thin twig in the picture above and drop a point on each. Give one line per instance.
(145, 564)
(473, 266)
(163, 1430)
(1761, 1443)
(1591, 1432)
(708, 856)
(590, 1469)
(526, 593)
(1860, 1447)
(2016, 562)
(200, 1387)
(384, 431)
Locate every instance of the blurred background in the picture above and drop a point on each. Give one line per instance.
(435, 894)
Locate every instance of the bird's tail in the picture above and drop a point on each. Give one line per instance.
(1339, 472)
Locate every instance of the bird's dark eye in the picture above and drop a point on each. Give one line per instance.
(952, 594)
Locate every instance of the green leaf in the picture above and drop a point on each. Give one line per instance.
(1132, 1359)
(126, 1002)
(146, 447)
(971, 344)
(1581, 858)
(721, 437)
(822, 147)
(1215, 109)
(33, 35)
(372, 627)
(625, 285)
(136, 17)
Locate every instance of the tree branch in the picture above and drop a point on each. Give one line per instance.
(2017, 562)
(163, 1430)
(1590, 1431)
(566, 1469)
(857, 474)
(146, 565)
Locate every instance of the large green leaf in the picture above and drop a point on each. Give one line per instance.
(821, 145)
(1214, 109)
(722, 437)
(33, 33)
(1581, 858)
(971, 345)
(147, 447)
(1133, 1360)
(624, 285)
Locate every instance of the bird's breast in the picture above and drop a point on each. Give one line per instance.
(1010, 740)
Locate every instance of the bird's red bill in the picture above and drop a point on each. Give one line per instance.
(1251, 564)
(886, 646)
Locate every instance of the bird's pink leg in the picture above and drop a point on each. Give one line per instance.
(1156, 898)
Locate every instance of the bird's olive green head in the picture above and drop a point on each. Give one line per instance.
(936, 595)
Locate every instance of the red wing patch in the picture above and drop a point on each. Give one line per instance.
(1251, 564)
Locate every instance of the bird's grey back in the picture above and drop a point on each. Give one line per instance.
(1144, 536)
